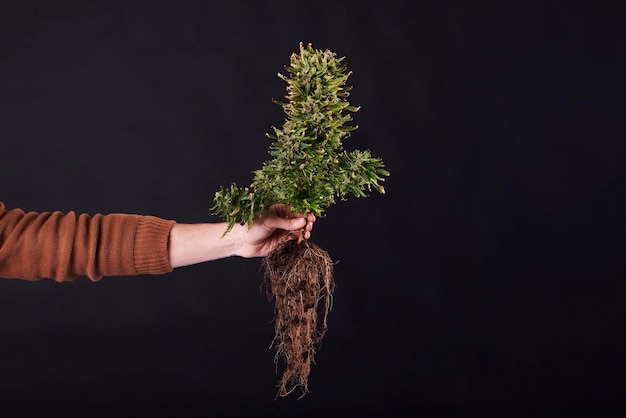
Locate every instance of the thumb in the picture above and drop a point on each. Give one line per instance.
(288, 224)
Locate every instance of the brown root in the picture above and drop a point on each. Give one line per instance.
(298, 275)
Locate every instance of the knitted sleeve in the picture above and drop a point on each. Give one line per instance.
(62, 247)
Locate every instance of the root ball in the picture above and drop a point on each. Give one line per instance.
(299, 278)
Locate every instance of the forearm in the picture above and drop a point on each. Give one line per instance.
(196, 243)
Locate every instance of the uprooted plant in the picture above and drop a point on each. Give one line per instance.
(309, 170)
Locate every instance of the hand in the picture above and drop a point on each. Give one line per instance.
(273, 227)
(196, 243)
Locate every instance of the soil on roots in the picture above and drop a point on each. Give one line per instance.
(299, 278)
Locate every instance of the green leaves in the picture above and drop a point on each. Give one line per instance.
(309, 168)
(234, 204)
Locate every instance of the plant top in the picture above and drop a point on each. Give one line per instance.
(309, 169)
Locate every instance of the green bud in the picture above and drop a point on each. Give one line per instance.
(317, 120)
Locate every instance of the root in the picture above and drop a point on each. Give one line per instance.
(298, 276)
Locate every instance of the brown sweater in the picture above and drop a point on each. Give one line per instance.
(63, 247)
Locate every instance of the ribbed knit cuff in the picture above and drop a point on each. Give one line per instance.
(151, 253)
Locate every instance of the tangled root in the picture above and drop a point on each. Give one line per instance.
(298, 275)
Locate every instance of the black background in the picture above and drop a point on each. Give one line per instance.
(489, 277)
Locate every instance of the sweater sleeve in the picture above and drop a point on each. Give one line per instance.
(62, 247)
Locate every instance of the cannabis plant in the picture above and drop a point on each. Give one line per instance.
(309, 171)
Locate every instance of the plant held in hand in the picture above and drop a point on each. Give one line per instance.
(309, 171)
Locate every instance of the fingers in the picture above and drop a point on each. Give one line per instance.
(306, 231)
(308, 225)
(275, 221)
(298, 225)
(294, 224)
(310, 218)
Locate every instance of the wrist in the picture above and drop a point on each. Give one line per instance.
(234, 241)
(197, 243)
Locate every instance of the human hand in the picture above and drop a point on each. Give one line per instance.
(272, 227)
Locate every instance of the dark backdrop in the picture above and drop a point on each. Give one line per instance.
(489, 277)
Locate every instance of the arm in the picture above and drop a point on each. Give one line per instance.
(196, 243)
(64, 246)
